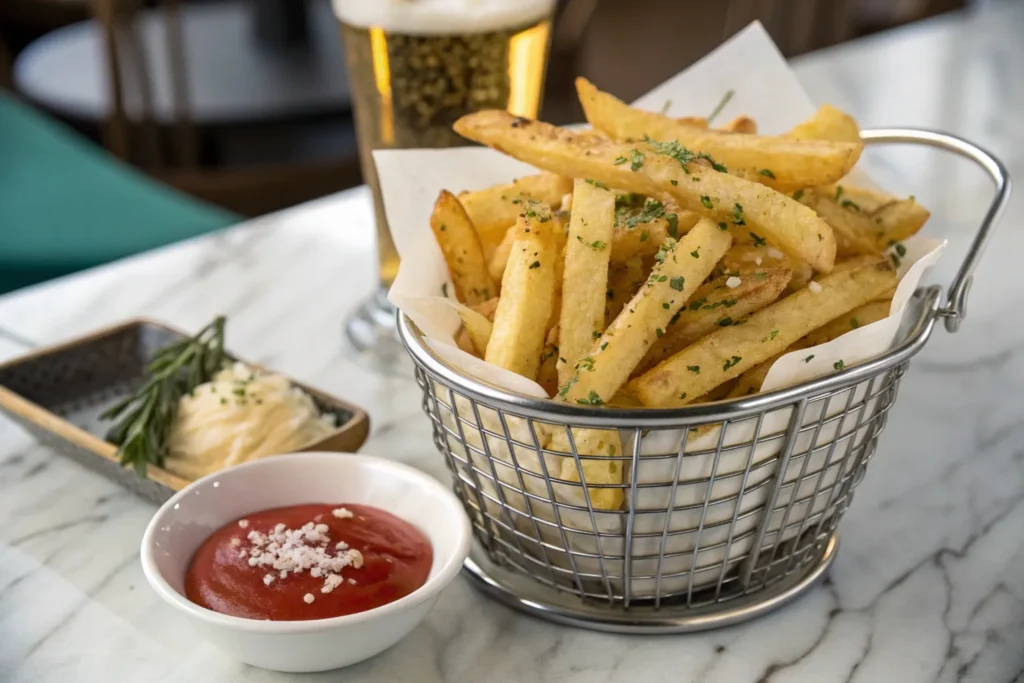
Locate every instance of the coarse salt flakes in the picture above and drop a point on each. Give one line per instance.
(308, 598)
(774, 253)
(341, 545)
(352, 581)
(758, 260)
(813, 286)
(733, 282)
(235, 541)
(244, 523)
(268, 579)
(342, 513)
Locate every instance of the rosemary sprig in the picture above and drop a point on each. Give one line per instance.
(144, 419)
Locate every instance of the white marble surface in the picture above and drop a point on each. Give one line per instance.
(929, 582)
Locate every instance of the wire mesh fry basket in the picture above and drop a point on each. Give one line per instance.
(726, 510)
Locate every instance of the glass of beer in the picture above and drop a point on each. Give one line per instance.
(414, 67)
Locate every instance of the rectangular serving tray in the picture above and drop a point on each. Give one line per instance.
(58, 393)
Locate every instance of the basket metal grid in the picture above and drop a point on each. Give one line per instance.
(729, 509)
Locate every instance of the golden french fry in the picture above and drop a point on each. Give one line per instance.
(547, 375)
(591, 442)
(695, 121)
(898, 220)
(643, 223)
(716, 305)
(854, 231)
(486, 308)
(462, 251)
(784, 222)
(741, 124)
(477, 326)
(858, 317)
(729, 351)
(747, 256)
(623, 282)
(828, 123)
(527, 294)
(606, 367)
(585, 279)
(494, 210)
(779, 162)
(499, 257)
(464, 342)
(750, 381)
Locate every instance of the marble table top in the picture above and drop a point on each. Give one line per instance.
(929, 582)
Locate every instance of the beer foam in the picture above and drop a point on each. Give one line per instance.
(441, 17)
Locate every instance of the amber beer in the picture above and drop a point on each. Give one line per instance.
(415, 66)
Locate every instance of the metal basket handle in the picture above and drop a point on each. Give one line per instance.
(955, 308)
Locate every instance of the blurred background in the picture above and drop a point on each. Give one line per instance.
(129, 124)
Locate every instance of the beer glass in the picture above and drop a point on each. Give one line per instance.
(414, 67)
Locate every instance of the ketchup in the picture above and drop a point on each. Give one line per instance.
(241, 570)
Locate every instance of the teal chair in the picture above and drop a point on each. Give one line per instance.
(65, 204)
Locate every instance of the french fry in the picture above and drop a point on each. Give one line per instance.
(623, 282)
(695, 121)
(477, 326)
(462, 251)
(643, 223)
(499, 257)
(745, 257)
(494, 210)
(487, 308)
(784, 222)
(585, 279)
(858, 317)
(591, 442)
(547, 375)
(828, 123)
(463, 341)
(854, 231)
(716, 305)
(606, 367)
(779, 162)
(741, 124)
(885, 218)
(527, 298)
(729, 351)
(750, 381)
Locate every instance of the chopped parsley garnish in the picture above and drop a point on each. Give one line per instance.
(572, 380)
(596, 244)
(723, 226)
(586, 363)
(695, 369)
(854, 324)
(798, 195)
(850, 204)
(758, 240)
(666, 305)
(659, 331)
(901, 250)
(725, 322)
(594, 399)
(673, 224)
(767, 173)
(839, 192)
(695, 305)
(644, 235)
(706, 201)
(683, 155)
(595, 334)
(604, 346)
(674, 182)
(839, 364)
(596, 183)
(535, 264)
(620, 160)
(809, 358)
(737, 212)
(682, 396)
(666, 246)
(695, 253)
(636, 158)
(677, 283)
(731, 362)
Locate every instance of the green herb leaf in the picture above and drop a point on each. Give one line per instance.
(758, 240)
(839, 364)
(535, 264)
(706, 201)
(731, 362)
(695, 369)
(767, 173)
(677, 283)
(636, 160)
(594, 399)
(620, 160)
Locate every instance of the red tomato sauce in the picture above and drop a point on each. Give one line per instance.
(396, 559)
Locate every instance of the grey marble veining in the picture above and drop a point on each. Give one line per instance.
(929, 582)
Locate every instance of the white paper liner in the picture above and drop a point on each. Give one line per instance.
(766, 88)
